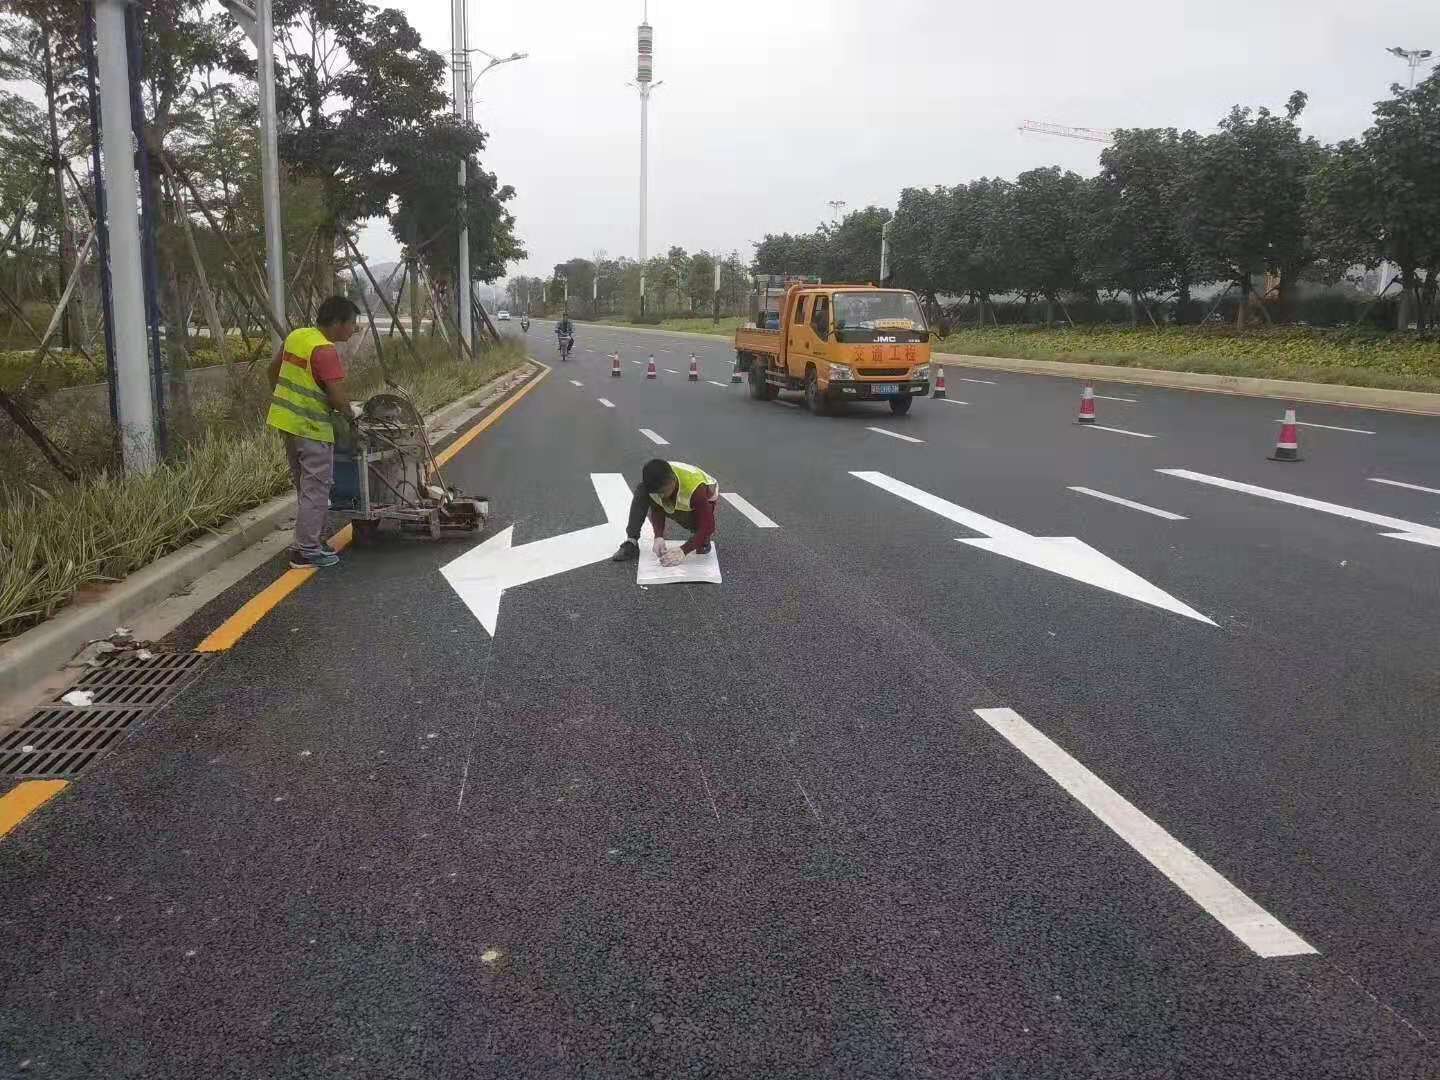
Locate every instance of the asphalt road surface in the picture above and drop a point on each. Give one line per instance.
(1156, 801)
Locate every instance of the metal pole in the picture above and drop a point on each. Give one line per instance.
(270, 165)
(459, 64)
(885, 251)
(102, 217)
(717, 289)
(135, 404)
(644, 183)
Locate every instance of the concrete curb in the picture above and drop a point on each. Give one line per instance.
(1363, 397)
(656, 330)
(45, 648)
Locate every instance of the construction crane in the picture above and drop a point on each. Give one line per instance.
(1065, 131)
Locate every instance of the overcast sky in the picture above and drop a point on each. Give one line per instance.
(771, 108)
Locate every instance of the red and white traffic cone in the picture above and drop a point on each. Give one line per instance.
(735, 372)
(615, 365)
(939, 390)
(694, 369)
(1287, 446)
(1087, 405)
(650, 372)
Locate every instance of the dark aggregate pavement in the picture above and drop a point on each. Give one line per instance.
(756, 830)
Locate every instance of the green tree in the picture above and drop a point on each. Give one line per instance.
(786, 253)
(1046, 206)
(916, 244)
(852, 247)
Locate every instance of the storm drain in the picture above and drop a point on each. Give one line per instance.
(61, 741)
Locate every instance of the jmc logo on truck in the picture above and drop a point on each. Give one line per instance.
(835, 343)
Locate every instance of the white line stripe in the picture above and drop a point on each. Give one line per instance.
(656, 439)
(1247, 920)
(1329, 427)
(638, 363)
(1118, 431)
(722, 385)
(607, 404)
(573, 382)
(745, 507)
(1401, 484)
(894, 435)
(952, 401)
(672, 371)
(987, 382)
(787, 404)
(1166, 514)
(1107, 397)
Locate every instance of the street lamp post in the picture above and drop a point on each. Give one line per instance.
(885, 251)
(1413, 57)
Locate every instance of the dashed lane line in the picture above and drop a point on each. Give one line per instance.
(606, 402)
(748, 509)
(1166, 514)
(787, 404)
(656, 439)
(895, 435)
(1402, 484)
(1127, 400)
(672, 371)
(722, 385)
(1253, 925)
(952, 401)
(987, 382)
(577, 382)
(1118, 431)
(1329, 427)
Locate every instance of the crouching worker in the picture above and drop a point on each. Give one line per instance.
(680, 492)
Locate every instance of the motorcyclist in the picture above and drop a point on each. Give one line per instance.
(524, 324)
(565, 333)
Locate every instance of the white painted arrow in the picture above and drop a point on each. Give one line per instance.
(483, 573)
(1063, 555)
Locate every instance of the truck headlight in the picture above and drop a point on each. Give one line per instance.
(840, 373)
(920, 371)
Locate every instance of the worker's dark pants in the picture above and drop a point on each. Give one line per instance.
(641, 505)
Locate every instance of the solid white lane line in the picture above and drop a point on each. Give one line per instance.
(603, 401)
(1166, 514)
(1253, 925)
(575, 382)
(1127, 400)
(747, 508)
(987, 382)
(1404, 530)
(1118, 431)
(1329, 427)
(894, 435)
(712, 382)
(1402, 484)
(952, 401)
(656, 439)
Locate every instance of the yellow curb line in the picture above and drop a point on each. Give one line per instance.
(25, 798)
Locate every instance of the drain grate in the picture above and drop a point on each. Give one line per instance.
(61, 741)
(144, 683)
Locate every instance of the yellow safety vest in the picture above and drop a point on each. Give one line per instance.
(690, 479)
(298, 405)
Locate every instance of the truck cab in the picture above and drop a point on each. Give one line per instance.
(836, 343)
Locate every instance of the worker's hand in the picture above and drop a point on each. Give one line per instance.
(659, 547)
(672, 558)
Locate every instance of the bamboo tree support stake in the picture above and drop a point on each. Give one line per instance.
(370, 319)
(207, 298)
(404, 269)
(22, 420)
(58, 318)
(394, 315)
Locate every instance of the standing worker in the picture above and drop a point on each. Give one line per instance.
(680, 492)
(307, 382)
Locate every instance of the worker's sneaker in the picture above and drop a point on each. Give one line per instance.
(304, 560)
(629, 552)
(704, 549)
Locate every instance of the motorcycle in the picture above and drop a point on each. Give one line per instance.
(525, 326)
(567, 343)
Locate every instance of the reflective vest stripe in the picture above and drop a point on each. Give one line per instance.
(303, 390)
(302, 411)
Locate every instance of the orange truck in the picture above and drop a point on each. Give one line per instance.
(835, 343)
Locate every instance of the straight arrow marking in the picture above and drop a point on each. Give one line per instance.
(1064, 555)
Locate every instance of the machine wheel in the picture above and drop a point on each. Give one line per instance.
(900, 405)
(814, 400)
(365, 532)
(436, 531)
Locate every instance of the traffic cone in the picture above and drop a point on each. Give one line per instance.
(694, 369)
(650, 372)
(939, 390)
(1087, 405)
(735, 372)
(615, 365)
(1287, 446)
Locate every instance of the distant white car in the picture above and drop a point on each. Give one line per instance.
(503, 316)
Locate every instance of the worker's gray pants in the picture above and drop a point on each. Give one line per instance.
(312, 468)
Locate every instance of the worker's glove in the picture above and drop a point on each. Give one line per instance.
(659, 547)
(672, 558)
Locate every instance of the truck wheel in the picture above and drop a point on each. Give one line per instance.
(900, 405)
(760, 389)
(814, 399)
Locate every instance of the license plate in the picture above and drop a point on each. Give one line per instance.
(888, 389)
